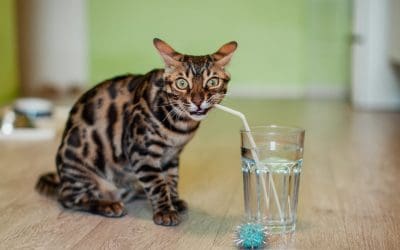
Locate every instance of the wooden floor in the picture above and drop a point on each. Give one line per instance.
(349, 190)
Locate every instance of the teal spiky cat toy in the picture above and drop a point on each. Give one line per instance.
(250, 235)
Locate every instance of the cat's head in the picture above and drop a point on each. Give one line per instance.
(195, 83)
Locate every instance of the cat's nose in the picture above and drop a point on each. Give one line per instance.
(197, 100)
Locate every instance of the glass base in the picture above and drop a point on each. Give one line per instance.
(280, 229)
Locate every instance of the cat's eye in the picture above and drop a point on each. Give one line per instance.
(213, 82)
(181, 83)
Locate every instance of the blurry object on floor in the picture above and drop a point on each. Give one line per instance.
(33, 107)
(11, 120)
(28, 119)
(18, 127)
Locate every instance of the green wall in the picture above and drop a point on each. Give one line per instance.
(281, 42)
(8, 57)
(328, 29)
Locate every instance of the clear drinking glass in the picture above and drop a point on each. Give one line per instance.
(271, 175)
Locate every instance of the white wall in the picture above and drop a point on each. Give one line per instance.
(53, 46)
(374, 82)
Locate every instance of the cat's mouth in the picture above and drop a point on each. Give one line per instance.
(199, 114)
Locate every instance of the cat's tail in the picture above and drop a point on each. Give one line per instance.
(48, 184)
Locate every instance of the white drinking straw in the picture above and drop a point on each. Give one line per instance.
(254, 153)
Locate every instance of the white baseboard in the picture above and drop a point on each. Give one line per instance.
(377, 105)
(315, 91)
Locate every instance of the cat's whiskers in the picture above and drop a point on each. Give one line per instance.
(181, 112)
(173, 105)
(215, 98)
(169, 114)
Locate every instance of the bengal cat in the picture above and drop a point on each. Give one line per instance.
(123, 137)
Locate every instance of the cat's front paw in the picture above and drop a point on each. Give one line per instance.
(168, 218)
(109, 208)
(180, 205)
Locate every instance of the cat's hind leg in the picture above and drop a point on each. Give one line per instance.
(88, 196)
(48, 184)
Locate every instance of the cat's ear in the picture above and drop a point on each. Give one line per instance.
(224, 54)
(170, 56)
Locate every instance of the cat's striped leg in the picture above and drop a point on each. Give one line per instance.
(171, 174)
(159, 194)
(132, 191)
(82, 192)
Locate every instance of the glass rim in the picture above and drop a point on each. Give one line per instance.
(268, 129)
